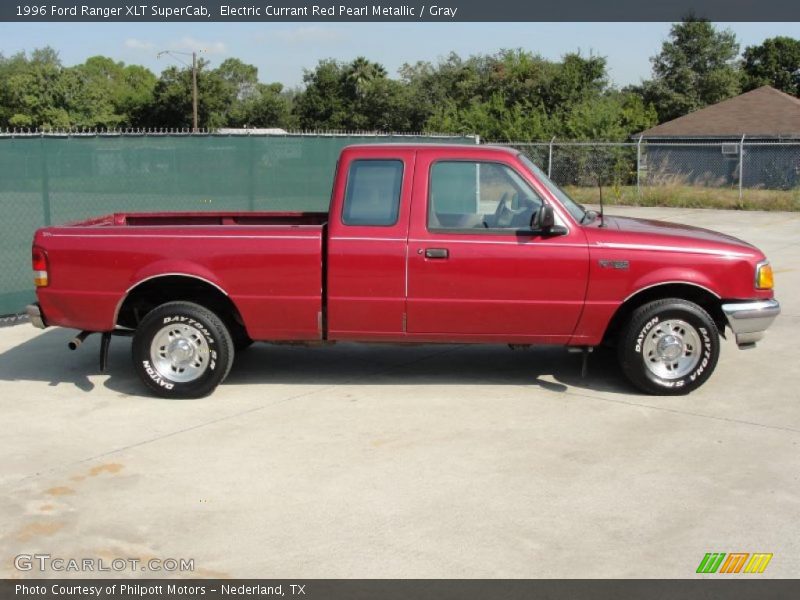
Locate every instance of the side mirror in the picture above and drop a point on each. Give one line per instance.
(544, 221)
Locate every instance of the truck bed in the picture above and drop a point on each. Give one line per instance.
(268, 263)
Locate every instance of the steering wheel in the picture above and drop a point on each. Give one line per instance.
(503, 215)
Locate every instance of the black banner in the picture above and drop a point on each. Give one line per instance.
(732, 588)
(417, 10)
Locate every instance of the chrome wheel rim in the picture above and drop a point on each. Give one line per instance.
(671, 349)
(179, 353)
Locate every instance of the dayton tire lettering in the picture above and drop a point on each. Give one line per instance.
(194, 323)
(648, 326)
(151, 372)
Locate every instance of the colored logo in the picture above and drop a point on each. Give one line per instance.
(735, 562)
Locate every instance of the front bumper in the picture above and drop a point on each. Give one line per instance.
(749, 320)
(35, 315)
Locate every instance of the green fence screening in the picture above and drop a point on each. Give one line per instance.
(54, 179)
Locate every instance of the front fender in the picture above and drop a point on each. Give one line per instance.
(611, 286)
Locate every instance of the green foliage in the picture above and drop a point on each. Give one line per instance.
(517, 95)
(241, 100)
(37, 91)
(614, 115)
(493, 119)
(695, 68)
(104, 93)
(269, 106)
(352, 96)
(321, 104)
(510, 95)
(32, 93)
(774, 62)
(172, 106)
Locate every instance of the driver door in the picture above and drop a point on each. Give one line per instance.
(476, 271)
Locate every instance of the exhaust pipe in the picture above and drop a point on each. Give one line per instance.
(75, 342)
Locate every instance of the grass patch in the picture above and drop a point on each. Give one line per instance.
(688, 196)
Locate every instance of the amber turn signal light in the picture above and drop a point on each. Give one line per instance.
(764, 280)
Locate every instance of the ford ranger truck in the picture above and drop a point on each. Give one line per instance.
(422, 243)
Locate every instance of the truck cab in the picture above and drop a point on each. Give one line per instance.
(437, 245)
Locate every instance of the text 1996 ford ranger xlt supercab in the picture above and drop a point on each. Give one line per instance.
(422, 243)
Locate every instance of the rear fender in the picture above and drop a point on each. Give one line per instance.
(169, 268)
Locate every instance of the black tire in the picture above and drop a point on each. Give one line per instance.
(241, 341)
(669, 347)
(196, 356)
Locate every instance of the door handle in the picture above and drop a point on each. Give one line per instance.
(437, 253)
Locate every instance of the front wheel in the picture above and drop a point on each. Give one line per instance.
(669, 347)
(182, 350)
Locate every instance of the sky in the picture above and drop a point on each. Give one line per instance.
(282, 50)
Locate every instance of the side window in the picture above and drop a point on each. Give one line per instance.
(480, 196)
(373, 192)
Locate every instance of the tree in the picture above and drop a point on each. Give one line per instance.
(518, 95)
(775, 62)
(108, 94)
(32, 90)
(240, 78)
(513, 94)
(172, 105)
(574, 81)
(360, 75)
(246, 101)
(355, 95)
(695, 68)
(267, 106)
(37, 91)
(509, 95)
(322, 105)
(135, 95)
(613, 115)
(240, 86)
(492, 119)
(449, 86)
(88, 94)
(172, 99)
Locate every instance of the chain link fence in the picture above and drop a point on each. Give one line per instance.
(50, 178)
(736, 174)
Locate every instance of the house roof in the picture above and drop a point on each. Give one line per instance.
(762, 112)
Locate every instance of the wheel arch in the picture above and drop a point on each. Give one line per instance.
(154, 290)
(704, 297)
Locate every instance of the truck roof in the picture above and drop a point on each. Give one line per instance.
(433, 146)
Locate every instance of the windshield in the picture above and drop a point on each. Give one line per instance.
(572, 207)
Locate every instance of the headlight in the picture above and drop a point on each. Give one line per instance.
(764, 279)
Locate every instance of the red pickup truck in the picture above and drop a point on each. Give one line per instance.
(422, 243)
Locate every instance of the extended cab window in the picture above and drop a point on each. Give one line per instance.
(373, 192)
(479, 196)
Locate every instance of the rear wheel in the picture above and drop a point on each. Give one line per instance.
(669, 347)
(182, 350)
